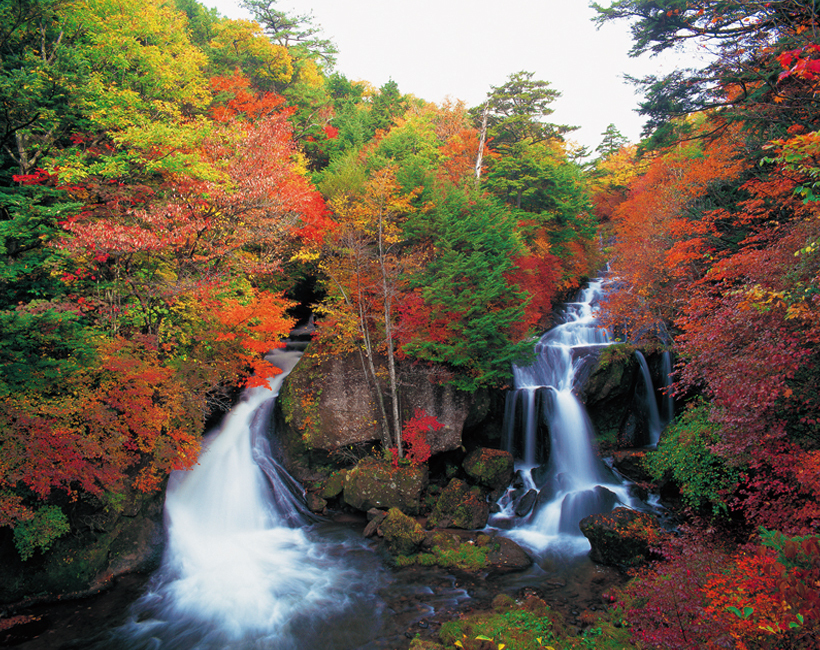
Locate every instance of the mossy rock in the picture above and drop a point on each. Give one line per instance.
(375, 483)
(117, 542)
(621, 538)
(492, 468)
(402, 534)
(460, 506)
(333, 485)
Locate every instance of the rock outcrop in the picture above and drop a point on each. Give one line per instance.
(328, 401)
(105, 542)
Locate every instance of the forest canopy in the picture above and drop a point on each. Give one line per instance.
(170, 178)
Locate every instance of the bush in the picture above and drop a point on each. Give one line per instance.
(684, 455)
(48, 524)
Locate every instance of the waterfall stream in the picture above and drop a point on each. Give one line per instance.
(240, 569)
(650, 404)
(560, 480)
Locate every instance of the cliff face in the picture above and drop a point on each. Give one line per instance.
(104, 543)
(330, 403)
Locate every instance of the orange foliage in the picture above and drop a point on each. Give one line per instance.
(655, 244)
(257, 324)
(236, 99)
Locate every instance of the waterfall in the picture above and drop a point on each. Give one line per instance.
(668, 410)
(573, 483)
(649, 401)
(240, 569)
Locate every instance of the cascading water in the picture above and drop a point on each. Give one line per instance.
(649, 401)
(573, 483)
(668, 403)
(240, 570)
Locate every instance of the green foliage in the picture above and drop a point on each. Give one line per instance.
(512, 628)
(517, 110)
(476, 243)
(684, 453)
(43, 344)
(48, 524)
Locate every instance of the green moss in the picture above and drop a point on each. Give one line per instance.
(530, 625)
(448, 554)
(617, 353)
(402, 534)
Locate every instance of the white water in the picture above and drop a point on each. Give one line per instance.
(236, 572)
(650, 403)
(575, 483)
(668, 409)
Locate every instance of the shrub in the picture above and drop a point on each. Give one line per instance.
(685, 455)
(48, 524)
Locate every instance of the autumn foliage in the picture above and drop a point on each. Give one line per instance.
(150, 197)
(714, 233)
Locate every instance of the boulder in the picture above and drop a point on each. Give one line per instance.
(526, 503)
(402, 535)
(333, 485)
(489, 554)
(505, 555)
(328, 401)
(315, 502)
(621, 538)
(630, 463)
(374, 518)
(491, 468)
(375, 483)
(460, 506)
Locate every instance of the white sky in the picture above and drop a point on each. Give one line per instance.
(459, 48)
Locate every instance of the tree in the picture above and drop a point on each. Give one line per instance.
(517, 110)
(463, 289)
(371, 230)
(612, 142)
(297, 33)
(746, 78)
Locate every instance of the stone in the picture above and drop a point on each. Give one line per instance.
(505, 556)
(629, 463)
(491, 468)
(334, 485)
(375, 483)
(374, 518)
(487, 554)
(526, 503)
(328, 401)
(460, 506)
(540, 475)
(402, 535)
(315, 502)
(621, 538)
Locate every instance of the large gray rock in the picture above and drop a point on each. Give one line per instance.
(375, 483)
(329, 402)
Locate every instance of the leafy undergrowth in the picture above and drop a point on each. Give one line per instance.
(707, 595)
(526, 625)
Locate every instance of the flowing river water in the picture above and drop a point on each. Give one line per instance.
(246, 566)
